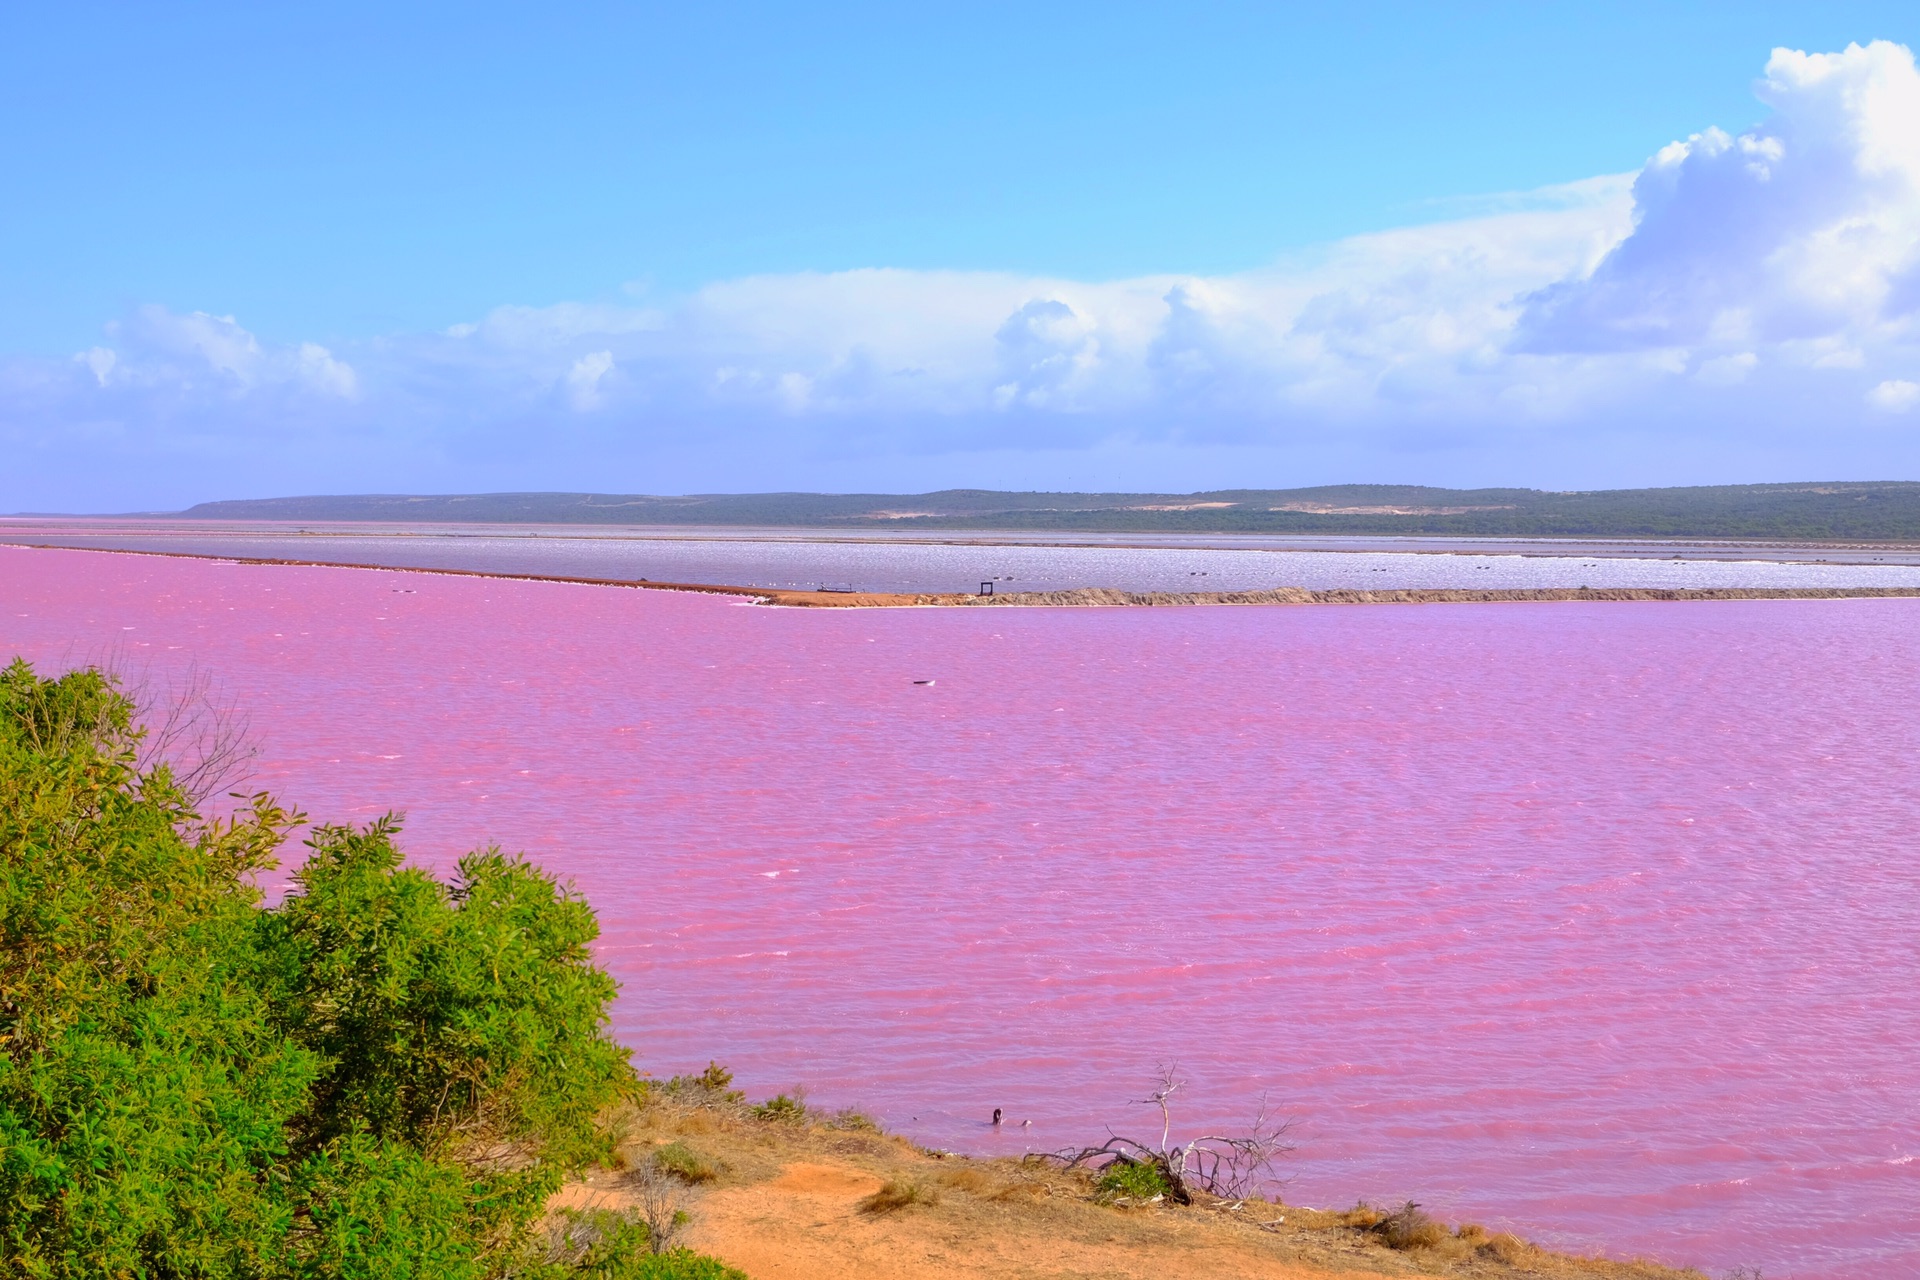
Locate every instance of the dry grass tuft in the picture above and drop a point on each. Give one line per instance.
(698, 1122)
(686, 1164)
(1507, 1248)
(897, 1194)
(978, 1183)
(853, 1120)
(1409, 1227)
(974, 1182)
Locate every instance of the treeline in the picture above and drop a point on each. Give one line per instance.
(1839, 511)
(385, 1076)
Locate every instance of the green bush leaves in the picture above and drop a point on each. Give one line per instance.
(385, 1076)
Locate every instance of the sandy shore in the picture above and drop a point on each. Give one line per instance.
(788, 1201)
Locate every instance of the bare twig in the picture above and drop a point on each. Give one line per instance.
(662, 1201)
(182, 721)
(205, 740)
(1229, 1165)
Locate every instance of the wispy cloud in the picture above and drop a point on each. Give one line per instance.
(1752, 293)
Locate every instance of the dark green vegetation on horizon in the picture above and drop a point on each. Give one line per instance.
(1841, 511)
(386, 1076)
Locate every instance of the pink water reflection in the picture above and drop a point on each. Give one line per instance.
(1596, 921)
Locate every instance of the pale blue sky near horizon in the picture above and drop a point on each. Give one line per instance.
(251, 249)
(339, 171)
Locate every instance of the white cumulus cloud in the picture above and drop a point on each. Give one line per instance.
(159, 348)
(1806, 224)
(583, 379)
(1744, 306)
(1895, 395)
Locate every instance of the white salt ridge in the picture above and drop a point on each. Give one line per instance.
(932, 567)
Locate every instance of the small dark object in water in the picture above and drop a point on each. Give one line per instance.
(996, 1116)
(923, 682)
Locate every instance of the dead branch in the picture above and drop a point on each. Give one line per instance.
(182, 720)
(205, 740)
(1228, 1165)
(661, 1200)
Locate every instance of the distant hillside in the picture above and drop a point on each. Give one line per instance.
(1884, 511)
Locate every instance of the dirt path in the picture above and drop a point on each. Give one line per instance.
(807, 1224)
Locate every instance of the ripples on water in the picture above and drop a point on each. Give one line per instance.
(1592, 920)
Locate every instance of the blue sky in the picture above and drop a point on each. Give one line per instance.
(260, 249)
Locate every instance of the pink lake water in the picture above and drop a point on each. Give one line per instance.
(1599, 922)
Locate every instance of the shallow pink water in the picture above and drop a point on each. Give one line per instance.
(1601, 922)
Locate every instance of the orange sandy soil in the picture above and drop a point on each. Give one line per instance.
(782, 1200)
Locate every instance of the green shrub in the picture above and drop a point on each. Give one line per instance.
(437, 1006)
(681, 1264)
(684, 1163)
(1133, 1179)
(792, 1110)
(854, 1120)
(385, 1077)
(602, 1244)
(712, 1085)
(143, 1086)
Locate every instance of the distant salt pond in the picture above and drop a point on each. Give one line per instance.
(810, 559)
(1591, 921)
